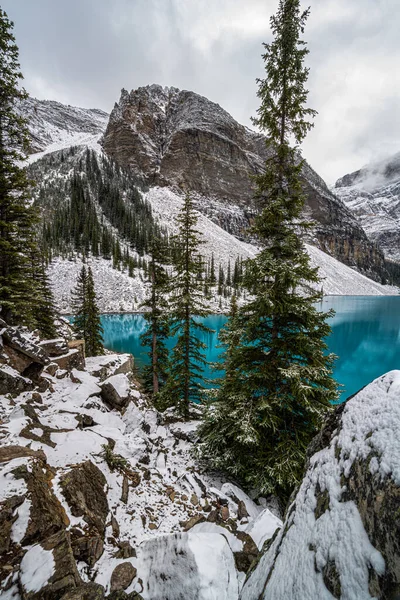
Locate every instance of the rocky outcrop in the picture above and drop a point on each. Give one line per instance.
(170, 137)
(100, 495)
(340, 538)
(84, 489)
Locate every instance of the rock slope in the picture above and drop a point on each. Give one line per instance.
(171, 137)
(99, 494)
(373, 196)
(53, 125)
(340, 538)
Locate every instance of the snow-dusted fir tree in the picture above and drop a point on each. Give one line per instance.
(279, 383)
(156, 315)
(94, 328)
(186, 305)
(78, 304)
(42, 303)
(17, 217)
(87, 325)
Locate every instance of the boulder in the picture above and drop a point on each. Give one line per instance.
(48, 570)
(340, 538)
(13, 338)
(7, 519)
(56, 347)
(71, 360)
(188, 565)
(83, 488)
(87, 548)
(109, 364)
(122, 576)
(11, 382)
(115, 391)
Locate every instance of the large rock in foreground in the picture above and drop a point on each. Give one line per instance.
(341, 537)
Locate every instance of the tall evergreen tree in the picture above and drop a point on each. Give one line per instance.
(87, 324)
(94, 331)
(43, 306)
(78, 304)
(17, 217)
(279, 384)
(157, 332)
(186, 305)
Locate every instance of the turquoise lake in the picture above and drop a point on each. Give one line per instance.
(365, 337)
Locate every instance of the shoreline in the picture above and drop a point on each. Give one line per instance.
(141, 312)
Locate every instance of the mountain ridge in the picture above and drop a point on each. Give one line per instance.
(372, 193)
(179, 139)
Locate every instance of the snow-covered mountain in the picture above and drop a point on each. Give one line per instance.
(56, 127)
(373, 195)
(53, 125)
(174, 138)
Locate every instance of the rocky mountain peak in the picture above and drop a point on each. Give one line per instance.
(177, 138)
(373, 195)
(373, 176)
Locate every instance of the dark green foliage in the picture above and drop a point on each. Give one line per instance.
(75, 225)
(17, 217)
(87, 324)
(279, 383)
(186, 303)
(42, 303)
(155, 374)
(94, 329)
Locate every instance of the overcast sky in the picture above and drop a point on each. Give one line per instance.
(82, 52)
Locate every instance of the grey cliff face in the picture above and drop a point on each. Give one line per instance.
(170, 137)
(373, 195)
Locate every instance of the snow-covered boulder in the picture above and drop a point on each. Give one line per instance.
(109, 364)
(116, 391)
(193, 566)
(341, 535)
(11, 382)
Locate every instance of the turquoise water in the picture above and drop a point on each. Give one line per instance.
(365, 337)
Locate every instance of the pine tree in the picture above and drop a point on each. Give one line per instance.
(43, 306)
(78, 303)
(186, 305)
(155, 374)
(17, 217)
(94, 329)
(279, 385)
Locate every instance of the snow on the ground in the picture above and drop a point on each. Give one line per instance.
(64, 141)
(370, 427)
(37, 567)
(340, 280)
(171, 490)
(166, 205)
(263, 527)
(115, 290)
(191, 566)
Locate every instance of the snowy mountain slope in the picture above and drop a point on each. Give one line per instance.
(54, 126)
(117, 292)
(373, 195)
